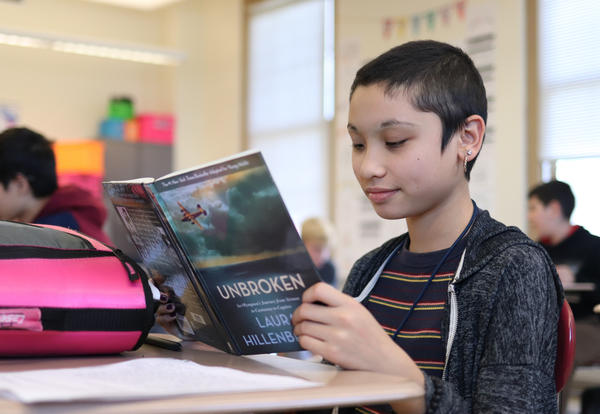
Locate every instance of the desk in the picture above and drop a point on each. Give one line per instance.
(340, 387)
(579, 287)
(573, 291)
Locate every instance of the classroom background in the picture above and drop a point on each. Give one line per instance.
(135, 88)
(231, 75)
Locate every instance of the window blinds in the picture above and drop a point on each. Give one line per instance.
(289, 56)
(569, 73)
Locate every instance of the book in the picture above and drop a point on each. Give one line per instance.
(220, 237)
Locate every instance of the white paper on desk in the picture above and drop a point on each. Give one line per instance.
(141, 378)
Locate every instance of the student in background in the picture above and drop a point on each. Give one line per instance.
(316, 234)
(574, 251)
(461, 304)
(576, 254)
(29, 190)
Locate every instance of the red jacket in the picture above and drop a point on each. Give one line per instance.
(77, 209)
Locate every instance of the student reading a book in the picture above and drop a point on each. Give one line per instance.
(461, 304)
(29, 190)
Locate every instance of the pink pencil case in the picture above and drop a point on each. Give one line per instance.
(64, 293)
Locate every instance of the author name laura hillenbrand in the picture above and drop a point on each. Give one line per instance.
(262, 286)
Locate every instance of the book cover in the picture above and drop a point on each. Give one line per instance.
(161, 259)
(237, 236)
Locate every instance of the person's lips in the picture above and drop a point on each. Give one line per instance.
(378, 194)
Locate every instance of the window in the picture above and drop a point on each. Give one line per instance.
(290, 98)
(569, 76)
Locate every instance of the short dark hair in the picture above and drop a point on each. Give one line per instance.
(439, 78)
(555, 190)
(23, 151)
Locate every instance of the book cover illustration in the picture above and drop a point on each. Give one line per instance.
(160, 258)
(237, 233)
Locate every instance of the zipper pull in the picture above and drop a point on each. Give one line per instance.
(129, 268)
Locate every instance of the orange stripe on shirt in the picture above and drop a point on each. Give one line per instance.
(407, 303)
(412, 275)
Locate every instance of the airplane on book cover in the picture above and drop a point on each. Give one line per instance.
(191, 216)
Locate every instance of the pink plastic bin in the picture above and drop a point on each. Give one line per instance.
(156, 128)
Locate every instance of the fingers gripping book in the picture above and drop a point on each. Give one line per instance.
(220, 238)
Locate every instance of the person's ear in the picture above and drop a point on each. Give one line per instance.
(21, 184)
(471, 137)
(555, 208)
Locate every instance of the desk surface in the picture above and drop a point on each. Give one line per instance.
(340, 387)
(579, 287)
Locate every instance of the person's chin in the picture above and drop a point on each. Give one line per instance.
(389, 212)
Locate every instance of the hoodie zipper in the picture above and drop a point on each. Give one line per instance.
(453, 312)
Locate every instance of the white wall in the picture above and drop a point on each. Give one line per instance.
(63, 95)
(511, 121)
(208, 85)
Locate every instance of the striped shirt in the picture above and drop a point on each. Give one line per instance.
(399, 285)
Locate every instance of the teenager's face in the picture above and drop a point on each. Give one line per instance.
(397, 156)
(11, 201)
(541, 218)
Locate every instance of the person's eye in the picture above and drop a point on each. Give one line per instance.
(357, 147)
(395, 143)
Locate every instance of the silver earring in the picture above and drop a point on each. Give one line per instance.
(469, 152)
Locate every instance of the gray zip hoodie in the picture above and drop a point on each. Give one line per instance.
(500, 324)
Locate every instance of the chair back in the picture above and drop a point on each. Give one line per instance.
(565, 354)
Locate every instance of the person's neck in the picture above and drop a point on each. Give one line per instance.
(562, 231)
(32, 209)
(439, 227)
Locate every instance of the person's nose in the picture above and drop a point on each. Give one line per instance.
(370, 164)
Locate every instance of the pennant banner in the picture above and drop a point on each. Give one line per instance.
(397, 26)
